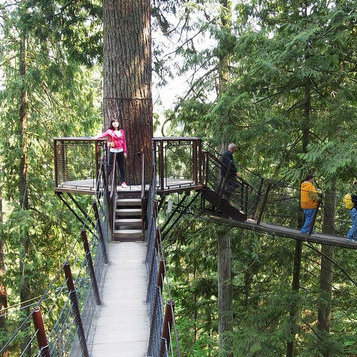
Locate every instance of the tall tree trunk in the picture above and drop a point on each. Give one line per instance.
(294, 311)
(326, 273)
(23, 177)
(3, 291)
(225, 293)
(127, 77)
(224, 253)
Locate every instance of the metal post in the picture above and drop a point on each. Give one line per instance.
(161, 166)
(200, 167)
(101, 237)
(167, 326)
(314, 218)
(56, 161)
(246, 199)
(194, 159)
(63, 158)
(96, 159)
(41, 334)
(91, 268)
(75, 309)
(259, 193)
(264, 203)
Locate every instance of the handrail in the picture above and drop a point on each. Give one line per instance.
(142, 175)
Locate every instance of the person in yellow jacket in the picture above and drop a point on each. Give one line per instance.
(309, 199)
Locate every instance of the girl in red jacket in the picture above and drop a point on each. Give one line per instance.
(118, 146)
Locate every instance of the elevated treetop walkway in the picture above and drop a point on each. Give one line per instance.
(185, 164)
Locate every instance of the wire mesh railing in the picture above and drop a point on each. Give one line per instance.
(163, 339)
(63, 315)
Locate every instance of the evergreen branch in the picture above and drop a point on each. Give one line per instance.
(191, 89)
(184, 43)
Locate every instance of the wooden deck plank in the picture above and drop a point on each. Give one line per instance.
(122, 324)
(88, 186)
(291, 233)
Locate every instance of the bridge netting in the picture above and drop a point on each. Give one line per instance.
(64, 315)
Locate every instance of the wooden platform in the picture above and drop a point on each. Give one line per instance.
(88, 186)
(286, 232)
(122, 323)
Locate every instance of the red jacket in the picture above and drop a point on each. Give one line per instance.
(119, 143)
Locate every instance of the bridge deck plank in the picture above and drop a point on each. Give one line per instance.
(286, 232)
(122, 324)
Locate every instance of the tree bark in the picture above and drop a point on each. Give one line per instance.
(326, 273)
(127, 78)
(3, 291)
(294, 311)
(23, 179)
(225, 294)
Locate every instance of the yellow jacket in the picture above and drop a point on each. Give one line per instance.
(309, 197)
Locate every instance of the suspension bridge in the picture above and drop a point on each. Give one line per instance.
(112, 295)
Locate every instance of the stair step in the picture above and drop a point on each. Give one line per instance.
(136, 222)
(128, 233)
(128, 211)
(129, 202)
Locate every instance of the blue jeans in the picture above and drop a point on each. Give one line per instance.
(352, 233)
(309, 215)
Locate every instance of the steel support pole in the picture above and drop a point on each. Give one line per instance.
(76, 310)
(91, 268)
(41, 334)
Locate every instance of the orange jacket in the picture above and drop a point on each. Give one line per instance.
(308, 196)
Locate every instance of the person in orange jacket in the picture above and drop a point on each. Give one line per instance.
(309, 199)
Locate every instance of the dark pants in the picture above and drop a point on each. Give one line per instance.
(230, 186)
(120, 163)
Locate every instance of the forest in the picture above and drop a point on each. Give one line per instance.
(277, 77)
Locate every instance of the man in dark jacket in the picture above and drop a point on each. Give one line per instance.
(229, 172)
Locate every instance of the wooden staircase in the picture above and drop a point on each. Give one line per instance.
(128, 220)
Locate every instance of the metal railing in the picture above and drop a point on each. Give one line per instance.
(163, 340)
(76, 161)
(62, 317)
(178, 162)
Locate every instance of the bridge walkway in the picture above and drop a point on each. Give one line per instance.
(122, 324)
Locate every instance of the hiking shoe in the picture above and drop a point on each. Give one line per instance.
(124, 185)
(351, 240)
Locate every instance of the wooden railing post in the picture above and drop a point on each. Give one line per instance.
(91, 268)
(41, 334)
(167, 326)
(101, 236)
(265, 199)
(76, 309)
(161, 274)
